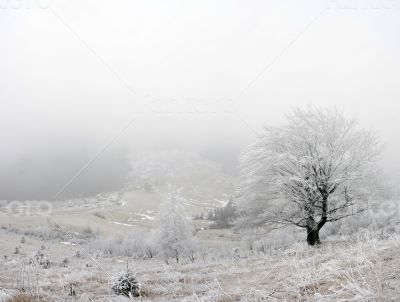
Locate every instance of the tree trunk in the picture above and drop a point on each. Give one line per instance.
(313, 236)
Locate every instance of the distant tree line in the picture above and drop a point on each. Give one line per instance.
(221, 217)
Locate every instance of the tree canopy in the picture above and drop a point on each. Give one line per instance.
(309, 170)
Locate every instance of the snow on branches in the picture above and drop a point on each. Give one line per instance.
(316, 161)
(174, 237)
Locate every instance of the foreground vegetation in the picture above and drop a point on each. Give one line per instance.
(354, 264)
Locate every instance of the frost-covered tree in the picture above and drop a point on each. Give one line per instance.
(125, 284)
(308, 171)
(174, 237)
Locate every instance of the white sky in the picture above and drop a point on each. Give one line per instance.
(74, 73)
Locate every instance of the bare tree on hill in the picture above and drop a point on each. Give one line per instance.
(308, 171)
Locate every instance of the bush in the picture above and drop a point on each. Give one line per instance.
(54, 232)
(99, 215)
(376, 223)
(65, 262)
(23, 298)
(125, 284)
(4, 296)
(131, 245)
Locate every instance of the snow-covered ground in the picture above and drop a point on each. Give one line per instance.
(81, 243)
(363, 267)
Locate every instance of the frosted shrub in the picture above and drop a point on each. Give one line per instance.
(375, 223)
(125, 284)
(279, 239)
(132, 245)
(65, 262)
(3, 295)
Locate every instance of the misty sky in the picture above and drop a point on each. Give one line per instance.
(202, 76)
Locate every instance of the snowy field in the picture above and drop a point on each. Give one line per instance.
(363, 266)
(199, 151)
(75, 250)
